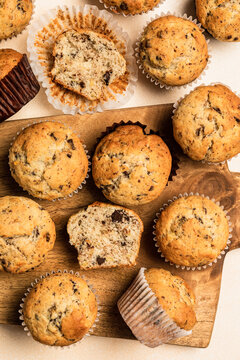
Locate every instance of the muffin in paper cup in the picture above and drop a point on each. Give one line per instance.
(125, 12)
(183, 220)
(154, 79)
(140, 307)
(41, 39)
(66, 326)
(217, 111)
(17, 86)
(16, 156)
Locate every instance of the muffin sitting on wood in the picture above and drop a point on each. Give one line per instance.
(173, 50)
(206, 124)
(105, 236)
(48, 160)
(130, 167)
(86, 62)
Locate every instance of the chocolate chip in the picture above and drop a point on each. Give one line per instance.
(47, 237)
(126, 173)
(117, 216)
(54, 157)
(156, 322)
(53, 136)
(217, 110)
(71, 143)
(82, 84)
(235, 39)
(100, 260)
(205, 210)
(159, 34)
(36, 317)
(123, 6)
(151, 188)
(37, 232)
(106, 77)
(60, 187)
(229, 37)
(237, 120)
(197, 132)
(123, 243)
(3, 261)
(103, 222)
(69, 156)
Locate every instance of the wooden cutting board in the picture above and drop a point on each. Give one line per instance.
(213, 180)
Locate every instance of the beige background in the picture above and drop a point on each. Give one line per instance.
(224, 67)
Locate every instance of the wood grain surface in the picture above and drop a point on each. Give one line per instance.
(213, 180)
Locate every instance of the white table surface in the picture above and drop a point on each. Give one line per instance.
(224, 67)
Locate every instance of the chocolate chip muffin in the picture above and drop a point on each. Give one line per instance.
(27, 234)
(86, 62)
(18, 84)
(173, 50)
(105, 236)
(130, 167)
(48, 160)
(162, 303)
(206, 124)
(220, 18)
(192, 231)
(60, 309)
(14, 17)
(131, 7)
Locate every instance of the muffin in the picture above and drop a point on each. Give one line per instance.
(161, 303)
(18, 84)
(131, 7)
(14, 17)
(86, 62)
(220, 18)
(130, 167)
(60, 309)
(105, 236)
(206, 124)
(192, 231)
(27, 234)
(48, 160)
(173, 50)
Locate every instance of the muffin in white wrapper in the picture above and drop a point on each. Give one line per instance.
(115, 10)
(32, 289)
(83, 145)
(155, 80)
(142, 312)
(42, 36)
(221, 253)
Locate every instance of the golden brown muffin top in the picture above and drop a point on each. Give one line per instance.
(9, 58)
(174, 295)
(60, 309)
(131, 6)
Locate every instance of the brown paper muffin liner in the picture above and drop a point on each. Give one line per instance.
(222, 253)
(156, 81)
(21, 317)
(140, 309)
(85, 149)
(26, 27)
(115, 11)
(41, 39)
(171, 144)
(17, 88)
(176, 105)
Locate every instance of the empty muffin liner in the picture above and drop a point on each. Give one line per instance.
(222, 253)
(156, 81)
(176, 105)
(140, 309)
(85, 149)
(17, 88)
(21, 317)
(115, 11)
(41, 39)
(27, 26)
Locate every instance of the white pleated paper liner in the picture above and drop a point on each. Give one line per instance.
(222, 253)
(27, 26)
(176, 105)
(41, 39)
(37, 280)
(156, 81)
(115, 10)
(140, 309)
(85, 149)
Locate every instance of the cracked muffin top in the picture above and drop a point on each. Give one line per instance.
(48, 160)
(221, 18)
(132, 7)
(27, 233)
(206, 124)
(60, 309)
(174, 295)
(14, 17)
(130, 167)
(192, 231)
(173, 50)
